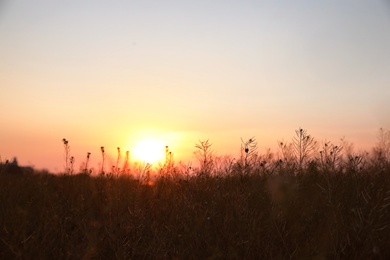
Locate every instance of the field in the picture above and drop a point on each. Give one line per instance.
(298, 205)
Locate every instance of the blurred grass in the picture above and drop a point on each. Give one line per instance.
(300, 203)
(278, 216)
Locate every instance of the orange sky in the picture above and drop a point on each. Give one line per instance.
(109, 74)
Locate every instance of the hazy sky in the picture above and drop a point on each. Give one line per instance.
(107, 73)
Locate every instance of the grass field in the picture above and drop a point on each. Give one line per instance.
(249, 209)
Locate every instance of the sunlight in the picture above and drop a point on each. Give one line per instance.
(149, 150)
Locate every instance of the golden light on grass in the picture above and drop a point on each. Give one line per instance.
(149, 150)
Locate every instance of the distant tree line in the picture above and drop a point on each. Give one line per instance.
(13, 168)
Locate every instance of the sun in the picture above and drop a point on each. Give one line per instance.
(149, 150)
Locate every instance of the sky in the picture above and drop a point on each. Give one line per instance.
(110, 73)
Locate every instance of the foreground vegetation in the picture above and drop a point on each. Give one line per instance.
(299, 204)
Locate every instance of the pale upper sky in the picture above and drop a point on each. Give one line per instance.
(107, 73)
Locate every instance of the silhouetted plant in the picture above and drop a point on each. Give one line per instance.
(71, 162)
(248, 154)
(381, 151)
(304, 147)
(126, 163)
(205, 157)
(66, 155)
(286, 161)
(119, 156)
(183, 171)
(224, 165)
(86, 170)
(330, 157)
(353, 161)
(264, 162)
(169, 165)
(144, 172)
(103, 160)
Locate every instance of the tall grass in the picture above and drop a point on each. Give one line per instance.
(331, 203)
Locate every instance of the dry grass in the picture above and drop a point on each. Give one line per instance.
(253, 216)
(331, 205)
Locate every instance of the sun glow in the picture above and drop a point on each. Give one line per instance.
(149, 150)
